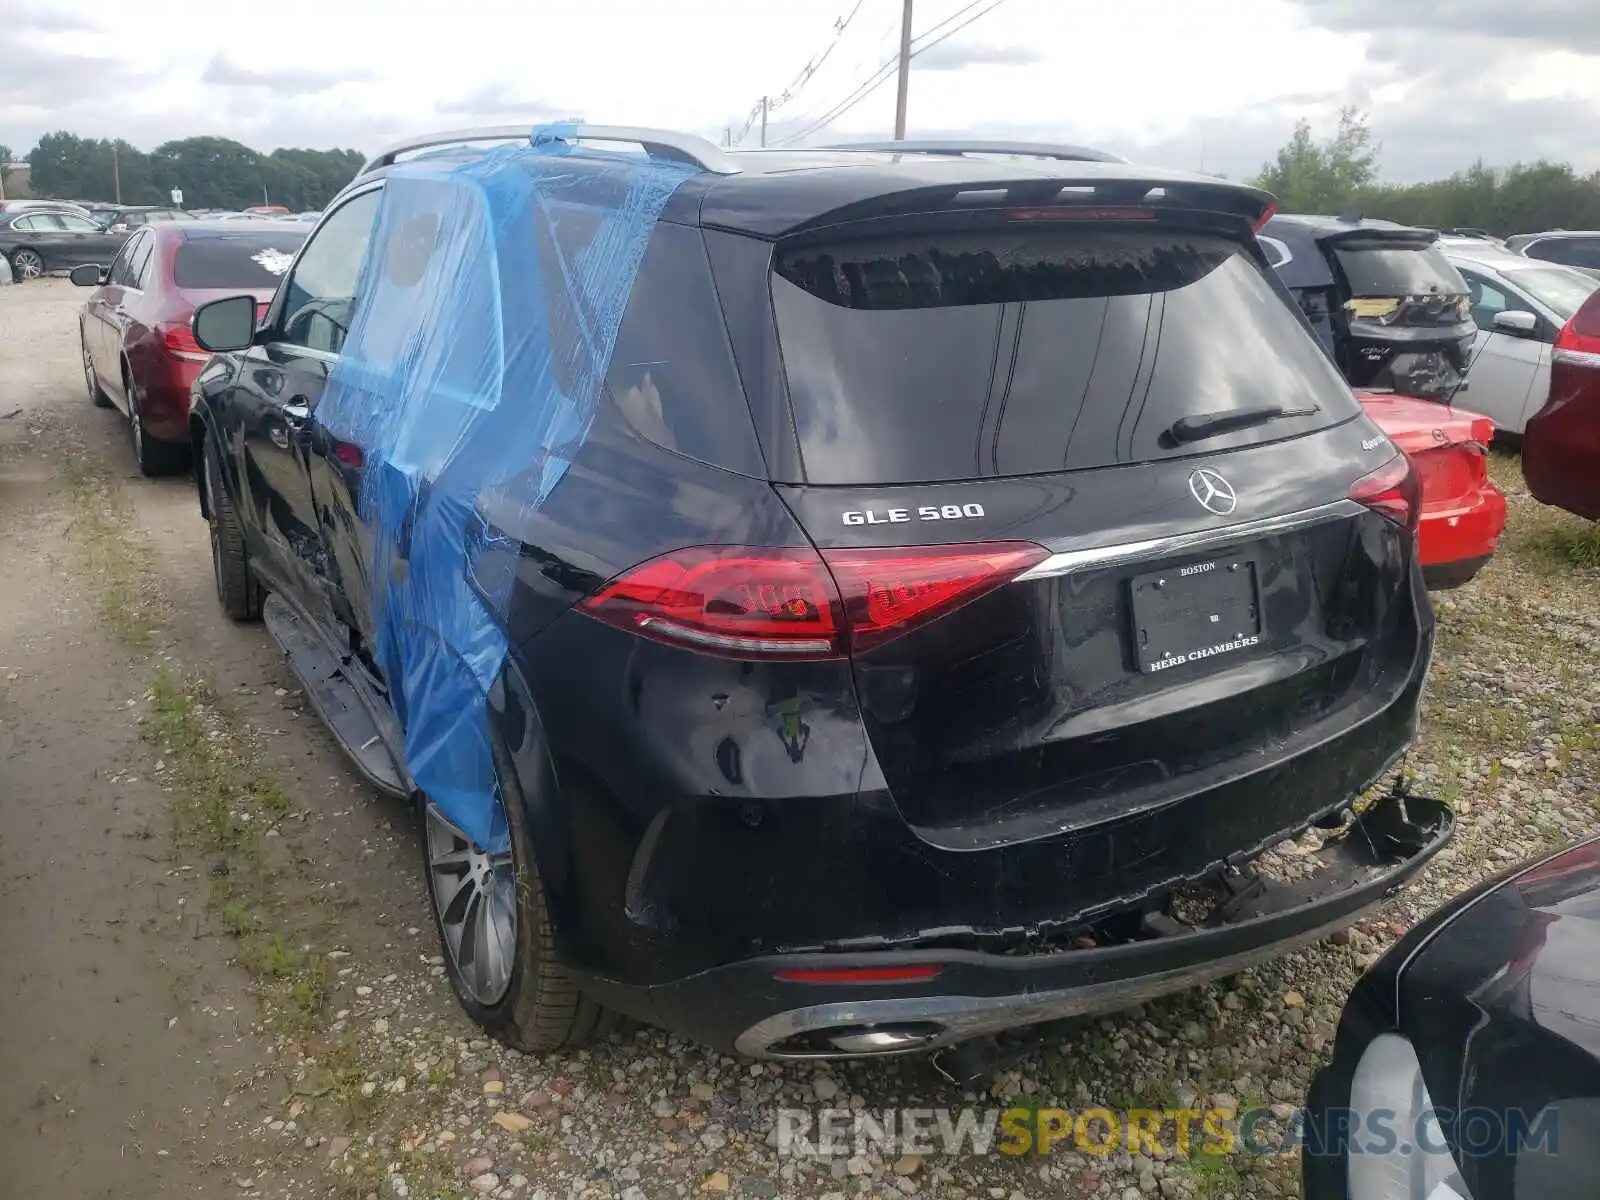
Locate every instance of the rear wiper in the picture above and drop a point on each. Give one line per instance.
(1205, 425)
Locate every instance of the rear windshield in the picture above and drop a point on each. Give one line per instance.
(1399, 271)
(253, 261)
(956, 356)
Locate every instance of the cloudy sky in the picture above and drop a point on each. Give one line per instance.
(1215, 85)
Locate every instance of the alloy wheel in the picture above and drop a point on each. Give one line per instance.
(135, 425)
(88, 367)
(28, 265)
(475, 894)
(213, 484)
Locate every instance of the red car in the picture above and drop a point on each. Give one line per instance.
(138, 353)
(1462, 511)
(1561, 445)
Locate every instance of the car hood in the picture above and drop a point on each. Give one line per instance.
(1503, 1005)
(1415, 425)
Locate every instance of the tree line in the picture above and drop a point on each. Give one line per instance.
(1337, 176)
(211, 172)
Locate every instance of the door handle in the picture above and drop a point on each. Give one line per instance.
(295, 416)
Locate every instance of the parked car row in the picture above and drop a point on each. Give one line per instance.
(38, 237)
(1393, 313)
(978, 554)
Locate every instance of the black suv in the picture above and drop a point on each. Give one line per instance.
(826, 602)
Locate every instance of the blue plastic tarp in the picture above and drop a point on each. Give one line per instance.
(477, 352)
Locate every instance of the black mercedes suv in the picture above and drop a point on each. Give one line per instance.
(921, 601)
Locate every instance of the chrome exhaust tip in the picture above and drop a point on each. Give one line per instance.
(857, 1041)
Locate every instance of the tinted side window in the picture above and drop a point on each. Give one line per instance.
(321, 291)
(77, 224)
(139, 264)
(120, 273)
(672, 374)
(958, 356)
(1487, 299)
(39, 223)
(1571, 252)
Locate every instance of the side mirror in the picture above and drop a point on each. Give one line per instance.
(118, 228)
(1516, 322)
(227, 324)
(88, 275)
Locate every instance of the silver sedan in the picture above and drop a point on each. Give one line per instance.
(1518, 304)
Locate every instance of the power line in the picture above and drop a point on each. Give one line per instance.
(884, 40)
(767, 105)
(887, 70)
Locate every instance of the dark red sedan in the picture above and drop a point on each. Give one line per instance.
(138, 353)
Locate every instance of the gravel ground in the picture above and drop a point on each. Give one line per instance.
(381, 1088)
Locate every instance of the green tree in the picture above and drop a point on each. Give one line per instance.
(1312, 176)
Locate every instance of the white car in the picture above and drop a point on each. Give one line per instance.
(1518, 305)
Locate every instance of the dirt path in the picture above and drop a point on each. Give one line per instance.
(124, 1030)
(132, 1058)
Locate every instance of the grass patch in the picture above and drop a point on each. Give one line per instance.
(223, 805)
(100, 520)
(1561, 545)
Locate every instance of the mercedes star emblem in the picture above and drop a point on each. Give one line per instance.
(1213, 491)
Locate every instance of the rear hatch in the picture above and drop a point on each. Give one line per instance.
(1406, 311)
(1109, 527)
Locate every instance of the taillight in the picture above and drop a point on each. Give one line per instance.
(784, 603)
(178, 338)
(1579, 339)
(1267, 214)
(1394, 490)
(886, 592)
(734, 600)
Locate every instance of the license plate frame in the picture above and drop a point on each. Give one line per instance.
(1198, 612)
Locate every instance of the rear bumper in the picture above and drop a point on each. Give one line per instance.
(1461, 537)
(747, 1008)
(165, 410)
(1441, 577)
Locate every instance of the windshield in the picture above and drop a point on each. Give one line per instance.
(253, 261)
(1398, 271)
(1562, 292)
(953, 356)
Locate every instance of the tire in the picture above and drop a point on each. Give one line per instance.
(539, 1007)
(238, 590)
(97, 394)
(26, 265)
(155, 458)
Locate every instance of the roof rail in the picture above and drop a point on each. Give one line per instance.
(659, 143)
(958, 148)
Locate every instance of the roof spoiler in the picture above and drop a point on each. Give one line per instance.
(1082, 190)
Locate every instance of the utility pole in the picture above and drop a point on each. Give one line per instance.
(727, 136)
(763, 122)
(116, 173)
(905, 74)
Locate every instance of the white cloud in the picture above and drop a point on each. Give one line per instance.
(1182, 83)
